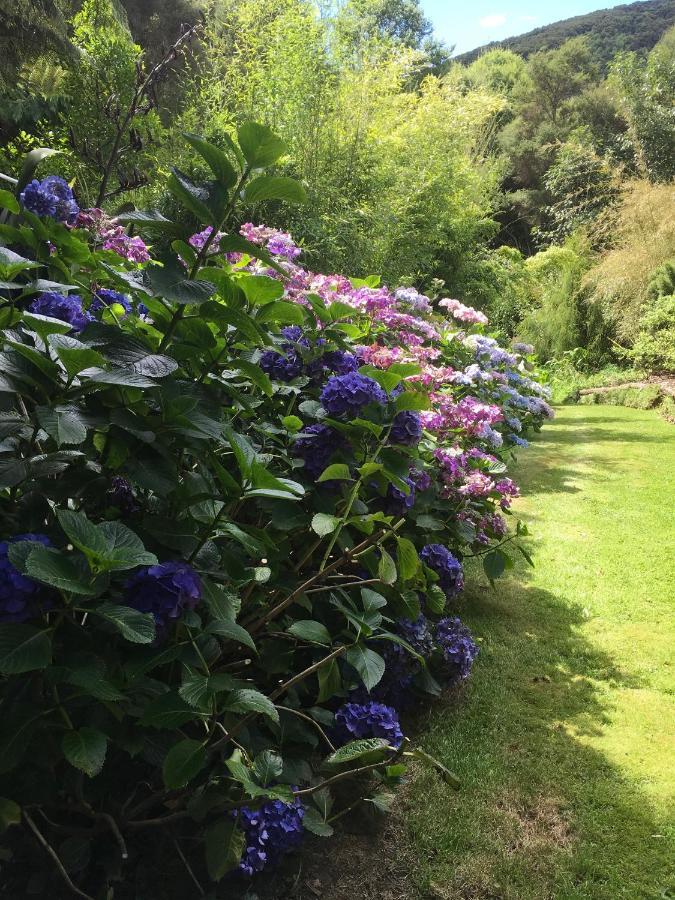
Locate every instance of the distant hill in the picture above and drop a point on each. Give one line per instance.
(637, 26)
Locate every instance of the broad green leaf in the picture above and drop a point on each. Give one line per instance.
(9, 202)
(323, 524)
(118, 378)
(367, 663)
(235, 243)
(216, 159)
(45, 325)
(169, 710)
(82, 532)
(494, 564)
(260, 289)
(416, 400)
(193, 196)
(64, 424)
(232, 631)
(54, 568)
(171, 282)
(282, 312)
(218, 312)
(256, 375)
(309, 630)
(10, 812)
(124, 549)
(183, 761)
(314, 822)
(247, 700)
(75, 356)
(135, 626)
(364, 752)
(269, 187)
(260, 145)
(292, 423)
(222, 604)
(85, 749)
(224, 845)
(268, 766)
(330, 681)
(408, 560)
(386, 569)
(336, 472)
(435, 599)
(23, 648)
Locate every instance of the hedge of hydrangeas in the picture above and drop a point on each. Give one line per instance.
(235, 500)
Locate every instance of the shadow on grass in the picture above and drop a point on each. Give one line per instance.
(540, 814)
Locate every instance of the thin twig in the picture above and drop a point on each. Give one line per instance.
(296, 712)
(305, 792)
(116, 831)
(50, 850)
(189, 868)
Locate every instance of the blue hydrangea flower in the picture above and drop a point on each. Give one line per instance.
(165, 590)
(38, 200)
(406, 428)
(66, 207)
(457, 646)
(271, 831)
(517, 440)
(316, 444)
(21, 598)
(367, 720)
(447, 567)
(346, 395)
(57, 306)
(103, 298)
(51, 197)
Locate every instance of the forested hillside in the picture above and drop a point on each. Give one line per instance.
(635, 26)
(522, 182)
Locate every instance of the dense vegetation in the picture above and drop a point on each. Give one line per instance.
(635, 26)
(238, 489)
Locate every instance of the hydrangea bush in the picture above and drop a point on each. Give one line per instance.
(236, 498)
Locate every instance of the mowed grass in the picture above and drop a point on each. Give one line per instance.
(565, 737)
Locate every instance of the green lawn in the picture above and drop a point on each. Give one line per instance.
(565, 737)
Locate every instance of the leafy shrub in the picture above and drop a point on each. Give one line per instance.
(219, 474)
(654, 348)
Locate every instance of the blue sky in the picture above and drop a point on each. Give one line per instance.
(470, 23)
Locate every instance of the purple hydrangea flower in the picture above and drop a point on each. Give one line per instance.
(103, 298)
(165, 590)
(447, 567)
(21, 598)
(271, 831)
(457, 646)
(57, 306)
(406, 428)
(398, 502)
(340, 362)
(121, 494)
(51, 197)
(421, 479)
(316, 444)
(368, 720)
(281, 366)
(348, 394)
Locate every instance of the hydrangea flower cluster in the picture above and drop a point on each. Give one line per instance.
(316, 444)
(52, 197)
(165, 590)
(58, 306)
(347, 395)
(449, 569)
(271, 831)
(457, 646)
(112, 235)
(406, 428)
(21, 598)
(104, 298)
(464, 313)
(121, 495)
(367, 720)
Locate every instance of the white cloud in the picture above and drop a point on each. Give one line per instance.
(495, 21)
